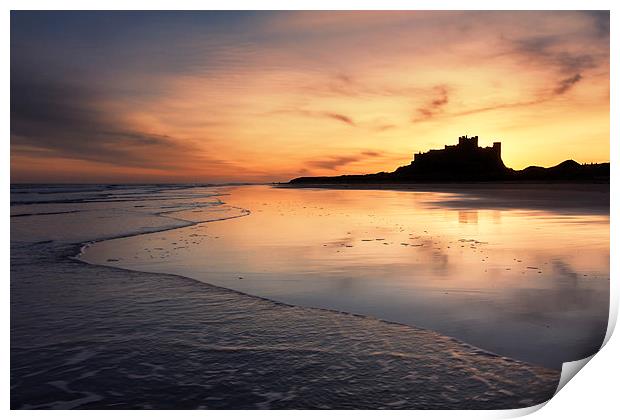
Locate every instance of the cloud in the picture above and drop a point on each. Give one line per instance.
(552, 51)
(565, 57)
(340, 84)
(384, 127)
(335, 162)
(339, 117)
(51, 119)
(565, 84)
(561, 88)
(372, 153)
(600, 20)
(434, 106)
(495, 107)
(317, 114)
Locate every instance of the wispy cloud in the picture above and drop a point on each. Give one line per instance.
(50, 119)
(335, 162)
(434, 106)
(565, 84)
(561, 88)
(316, 114)
(384, 127)
(339, 117)
(550, 51)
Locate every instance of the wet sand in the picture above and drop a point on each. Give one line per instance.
(529, 284)
(87, 336)
(565, 197)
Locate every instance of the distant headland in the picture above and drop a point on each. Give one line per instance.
(467, 162)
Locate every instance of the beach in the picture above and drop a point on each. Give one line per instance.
(122, 327)
(529, 281)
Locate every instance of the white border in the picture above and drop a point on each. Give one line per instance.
(592, 395)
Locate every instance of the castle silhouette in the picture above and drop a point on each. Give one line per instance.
(464, 158)
(465, 148)
(467, 162)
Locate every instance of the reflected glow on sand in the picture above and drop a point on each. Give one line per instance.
(528, 284)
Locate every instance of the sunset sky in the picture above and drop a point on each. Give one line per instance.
(269, 96)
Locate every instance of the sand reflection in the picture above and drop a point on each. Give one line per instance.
(527, 283)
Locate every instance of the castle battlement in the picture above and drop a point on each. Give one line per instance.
(465, 141)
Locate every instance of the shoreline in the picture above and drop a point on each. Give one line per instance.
(507, 383)
(478, 350)
(80, 249)
(349, 311)
(499, 370)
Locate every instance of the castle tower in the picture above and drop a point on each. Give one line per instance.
(497, 147)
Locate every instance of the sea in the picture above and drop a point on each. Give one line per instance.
(265, 296)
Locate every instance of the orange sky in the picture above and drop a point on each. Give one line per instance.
(269, 96)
